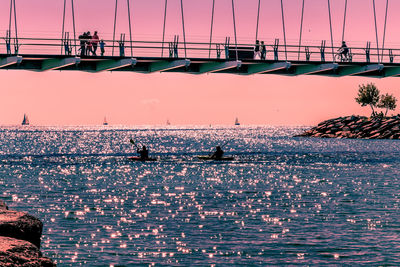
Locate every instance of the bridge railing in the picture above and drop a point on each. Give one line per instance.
(200, 50)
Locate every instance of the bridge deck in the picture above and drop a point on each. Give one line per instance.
(95, 64)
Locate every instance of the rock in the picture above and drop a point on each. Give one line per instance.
(396, 136)
(374, 132)
(357, 127)
(386, 135)
(3, 205)
(375, 136)
(20, 225)
(14, 252)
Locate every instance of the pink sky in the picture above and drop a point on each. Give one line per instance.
(78, 98)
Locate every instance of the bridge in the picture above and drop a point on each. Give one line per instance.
(279, 57)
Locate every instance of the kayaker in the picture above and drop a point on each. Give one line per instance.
(144, 153)
(218, 154)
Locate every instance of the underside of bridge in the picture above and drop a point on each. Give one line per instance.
(196, 66)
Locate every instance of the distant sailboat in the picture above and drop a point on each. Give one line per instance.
(237, 122)
(26, 120)
(168, 122)
(105, 123)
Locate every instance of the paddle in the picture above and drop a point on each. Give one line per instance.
(227, 142)
(133, 143)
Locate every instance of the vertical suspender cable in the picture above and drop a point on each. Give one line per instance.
(163, 34)
(344, 19)
(130, 26)
(63, 24)
(384, 29)
(258, 18)
(9, 25)
(15, 25)
(15, 22)
(73, 23)
(301, 28)
(212, 24)
(234, 29)
(115, 24)
(284, 29)
(183, 27)
(376, 31)
(330, 25)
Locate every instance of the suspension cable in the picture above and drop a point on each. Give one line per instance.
(330, 25)
(212, 24)
(384, 29)
(73, 22)
(63, 24)
(258, 18)
(11, 9)
(115, 24)
(163, 36)
(234, 29)
(15, 23)
(130, 26)
(284, 29)
(344, 19)
(301, 27)
(376, 30)
(183, 27)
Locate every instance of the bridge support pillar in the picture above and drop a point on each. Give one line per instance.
(359, 70)
(267, 67)
(164, 65)
(109, 65)
(312, 69)
(391, 72)
(8, 61)
(59, 63)
(219, 66)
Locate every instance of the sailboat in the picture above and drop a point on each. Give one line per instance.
(25, 120)
(168, 122)
(237, 123)
(105, 123)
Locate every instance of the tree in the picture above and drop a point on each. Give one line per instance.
(387, 101)
(368, 95)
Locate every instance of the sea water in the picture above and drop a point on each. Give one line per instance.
(282, 201)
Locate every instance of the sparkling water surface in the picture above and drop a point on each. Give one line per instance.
(282, 201)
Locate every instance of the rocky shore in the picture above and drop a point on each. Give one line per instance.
(357, 127)
(20, 235)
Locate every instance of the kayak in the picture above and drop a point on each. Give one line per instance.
(210, 158)
(140, 159)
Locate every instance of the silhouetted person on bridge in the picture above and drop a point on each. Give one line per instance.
(344, 51)
(257, 52)
(102, 47)
(89, 44)
(263, 50)
(82, 41)
(95, 42)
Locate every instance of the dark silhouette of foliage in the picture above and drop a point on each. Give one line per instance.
(368, 95)
(388, 102)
